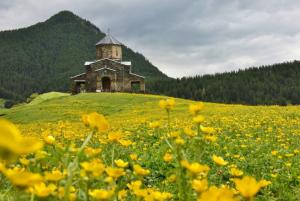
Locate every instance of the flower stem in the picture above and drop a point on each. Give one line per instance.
(74, 165)
(198, 130)
(32, 197)
(181, 177)
(113, 155)
(87, 191)
(169, 131)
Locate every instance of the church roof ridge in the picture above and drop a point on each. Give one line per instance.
(108, 40)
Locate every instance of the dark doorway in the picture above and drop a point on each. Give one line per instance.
(135, 86)
(106, 84)
(79, 87)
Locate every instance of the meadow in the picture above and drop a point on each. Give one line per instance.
(118, 146)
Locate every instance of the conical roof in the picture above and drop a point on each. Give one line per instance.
(108, 40)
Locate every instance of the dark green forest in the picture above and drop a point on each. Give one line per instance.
(277, 84)
(42, 57)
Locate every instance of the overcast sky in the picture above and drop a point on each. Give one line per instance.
(183, 37)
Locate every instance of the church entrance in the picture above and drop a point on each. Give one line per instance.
(135, 86)
(106, 84)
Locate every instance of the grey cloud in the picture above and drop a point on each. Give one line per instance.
(183, 37)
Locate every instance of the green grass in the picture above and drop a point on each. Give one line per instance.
(47, 96)
(52, 107)
(55, 106)
(246, 134)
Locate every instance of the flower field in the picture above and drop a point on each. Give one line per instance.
(144, 147)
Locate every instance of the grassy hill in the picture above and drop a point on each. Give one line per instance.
(53, 106)
(56, 106)
(42, 57)
(262, 141)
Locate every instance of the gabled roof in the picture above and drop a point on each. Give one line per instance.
(105, 68)
(125, 63)
(108, 40)
(75, 76)
(136, 75)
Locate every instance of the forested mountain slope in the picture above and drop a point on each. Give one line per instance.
(266, 85)
(42, 57)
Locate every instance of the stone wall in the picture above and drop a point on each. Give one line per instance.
(109, 51)
(120, 76)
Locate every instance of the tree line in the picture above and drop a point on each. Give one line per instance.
(277, 84)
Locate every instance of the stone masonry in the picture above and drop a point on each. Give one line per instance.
(108, 73)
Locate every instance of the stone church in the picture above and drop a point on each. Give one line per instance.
(108, 73)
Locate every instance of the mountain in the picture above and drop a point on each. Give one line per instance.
(266, 85)
(42, 57)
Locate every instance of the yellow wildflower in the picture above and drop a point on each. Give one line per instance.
(195, 168)
(236, 172)
(289, 155)
(120, 163)
(211, 138)
(158, 196)
(247, 186)
(135, 185)
(174, 134)
(133, 157)
(22, 178)
(217, 194)
(189, 132)
(219, 160)
(72, 193)
(94, 167)
(155, 124)
(296, 151)
(122, 194)
(179, 141)
(90, 152)
(125, 143)
(24, 161)
(109, 180)
(101, 194)
(167, 104)
(114, 136)
(13, 143)
(274, 175)
(55, 175)
(41, 154)
(95, 120)
(171, 178)
(196, 108)
(49, 139)
(264, 183)
(200, 185)
(138, 170)
(207, 130)
(168, 157)
(41, 190)
(198, 119)
(115, 172)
